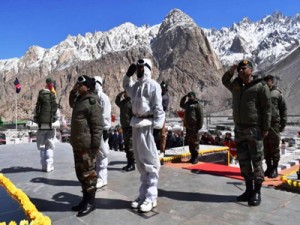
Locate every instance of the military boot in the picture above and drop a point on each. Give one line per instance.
(131, 166)
(269, 168)
(82, 203)
(248, 193)
(274, 172)
(89, 206)
(255, 199)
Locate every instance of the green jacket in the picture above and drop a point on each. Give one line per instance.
(46, 107)
(125, 110)
(251, 103)
(86, 127)
(193, 113)
(279, 109)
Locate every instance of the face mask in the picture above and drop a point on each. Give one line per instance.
(140, 74)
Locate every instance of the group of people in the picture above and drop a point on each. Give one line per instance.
(259, 114)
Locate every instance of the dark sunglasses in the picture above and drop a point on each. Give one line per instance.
(141, 62)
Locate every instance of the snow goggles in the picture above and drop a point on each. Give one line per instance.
(141, 62)
(81, 80)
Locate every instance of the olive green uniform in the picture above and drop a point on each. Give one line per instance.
(278, 123)
(86, 133)
(193, 121)
(252, 115)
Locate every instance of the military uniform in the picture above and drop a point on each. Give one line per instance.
(125, 117)
(272, 140)
(193, 121)
(251, 114)
(86, 133)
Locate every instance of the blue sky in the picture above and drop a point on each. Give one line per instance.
(45, 23)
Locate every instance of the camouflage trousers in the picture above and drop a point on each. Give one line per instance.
(249, 146)
(271, 145)
(193, 140)
(85, 168)
(127, 136)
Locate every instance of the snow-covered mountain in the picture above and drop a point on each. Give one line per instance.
(184, 55)
(266, 41)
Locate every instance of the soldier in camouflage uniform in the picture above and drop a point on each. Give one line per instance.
(252, 115)
(193, 121)
(123, 101)
(278, 123)
(86, 133)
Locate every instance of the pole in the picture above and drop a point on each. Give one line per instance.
(16, 110)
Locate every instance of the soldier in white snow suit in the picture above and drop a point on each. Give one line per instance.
(148, 117)
(101, 157)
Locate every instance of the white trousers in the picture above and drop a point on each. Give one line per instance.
(102, 160)
(147, 161)
(45, 140)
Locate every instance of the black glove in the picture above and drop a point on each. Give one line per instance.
(156, 132)
(105, 135)
(131, 70)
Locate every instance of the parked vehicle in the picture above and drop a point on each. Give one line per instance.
(2, 139)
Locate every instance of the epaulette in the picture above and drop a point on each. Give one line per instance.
(92, 101)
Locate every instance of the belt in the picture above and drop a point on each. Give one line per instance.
(144, 117)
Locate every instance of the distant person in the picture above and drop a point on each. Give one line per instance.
(170, 143)
(102, 155)
(147, 119)
(251, 103)
(86, 135)
(162, 135)
(45, 114)
(193, 120)
(123, 101)
(278, 123)
(283, 147)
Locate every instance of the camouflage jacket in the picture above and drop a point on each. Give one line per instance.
(279, 109)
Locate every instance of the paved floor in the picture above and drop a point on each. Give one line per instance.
(184, 197)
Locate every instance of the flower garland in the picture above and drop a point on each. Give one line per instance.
(290, 182)
(35, 217)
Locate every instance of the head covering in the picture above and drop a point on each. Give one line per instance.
(164, 85)
(99, 84)
(86, 81)
(190, 94)
(49, 80)
(245, 62)
(147, 68)
(268, 77)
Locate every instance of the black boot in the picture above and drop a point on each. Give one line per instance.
(255, 199)
(89, 205)
(269, 168)
(248, 193)
(82, 203)
(131, 166)
(274, 172)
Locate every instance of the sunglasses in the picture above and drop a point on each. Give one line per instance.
(81, 80)
(141, 62)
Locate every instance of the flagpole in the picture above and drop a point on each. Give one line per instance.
(16, 110)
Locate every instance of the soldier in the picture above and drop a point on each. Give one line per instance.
(278, 123)
(86, 134)
(45, 114)
(123, 101)
(193, 121)
(148, 117)
(102, 155)
(252, 115)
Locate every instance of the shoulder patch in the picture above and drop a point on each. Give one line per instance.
(92, 101)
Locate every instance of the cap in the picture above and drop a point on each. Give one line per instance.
(87, 81)
(245, 62)
(49, 80)
(190, 94)
(269, 77)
